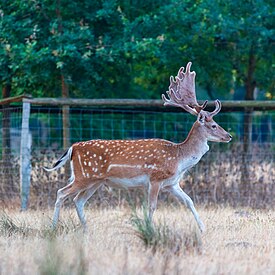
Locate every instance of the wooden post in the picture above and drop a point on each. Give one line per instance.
(25, 157)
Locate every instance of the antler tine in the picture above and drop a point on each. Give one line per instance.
(199, 108)
(188, 66)
(182, 91)
(218, 107)
(174, 83)
(172, 101)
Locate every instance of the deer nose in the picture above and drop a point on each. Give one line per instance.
(230, 136)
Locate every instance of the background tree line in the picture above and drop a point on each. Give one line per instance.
(129, 48)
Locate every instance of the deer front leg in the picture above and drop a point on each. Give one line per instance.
(176, 191)
(153, 192)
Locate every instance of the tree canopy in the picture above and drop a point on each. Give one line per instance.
(128, 49)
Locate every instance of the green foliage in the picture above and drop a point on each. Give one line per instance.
(128, 49)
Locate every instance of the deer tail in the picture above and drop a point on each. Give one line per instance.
(62, 160)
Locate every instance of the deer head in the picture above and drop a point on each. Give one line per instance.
(211, 130)
(182, 94)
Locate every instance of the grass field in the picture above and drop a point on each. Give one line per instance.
(237, 241)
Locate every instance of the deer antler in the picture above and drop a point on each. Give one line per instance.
(182, 92)
(218, 107)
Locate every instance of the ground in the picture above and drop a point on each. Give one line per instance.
(236, 241)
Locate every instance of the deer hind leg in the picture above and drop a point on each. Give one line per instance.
(183, 197)
(62, 195)
(80, 200)
(152, 198)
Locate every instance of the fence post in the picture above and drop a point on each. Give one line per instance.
(25, 157)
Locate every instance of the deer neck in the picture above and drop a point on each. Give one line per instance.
(195, 145)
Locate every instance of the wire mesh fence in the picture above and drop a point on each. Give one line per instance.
(227, 174)
(10, 122)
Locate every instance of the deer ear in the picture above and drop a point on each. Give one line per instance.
(201, 118)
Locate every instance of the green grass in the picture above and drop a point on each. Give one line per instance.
(161, 236)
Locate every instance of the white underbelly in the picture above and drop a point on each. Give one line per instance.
(139, 181)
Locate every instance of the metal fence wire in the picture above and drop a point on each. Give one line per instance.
(227, 174)
(10, 136)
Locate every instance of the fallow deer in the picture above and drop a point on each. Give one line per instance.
(154, 164)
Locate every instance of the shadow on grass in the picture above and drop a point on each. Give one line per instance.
(13, 227)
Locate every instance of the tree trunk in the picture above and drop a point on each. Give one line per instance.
(65, 120)
(6, 150)
(65, 115)
(250, 86)
(65, 94)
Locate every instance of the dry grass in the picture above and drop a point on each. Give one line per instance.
(236, 242)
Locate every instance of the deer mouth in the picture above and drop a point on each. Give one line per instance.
(227, 139)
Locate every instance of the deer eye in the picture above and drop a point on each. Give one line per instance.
(214, 126)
